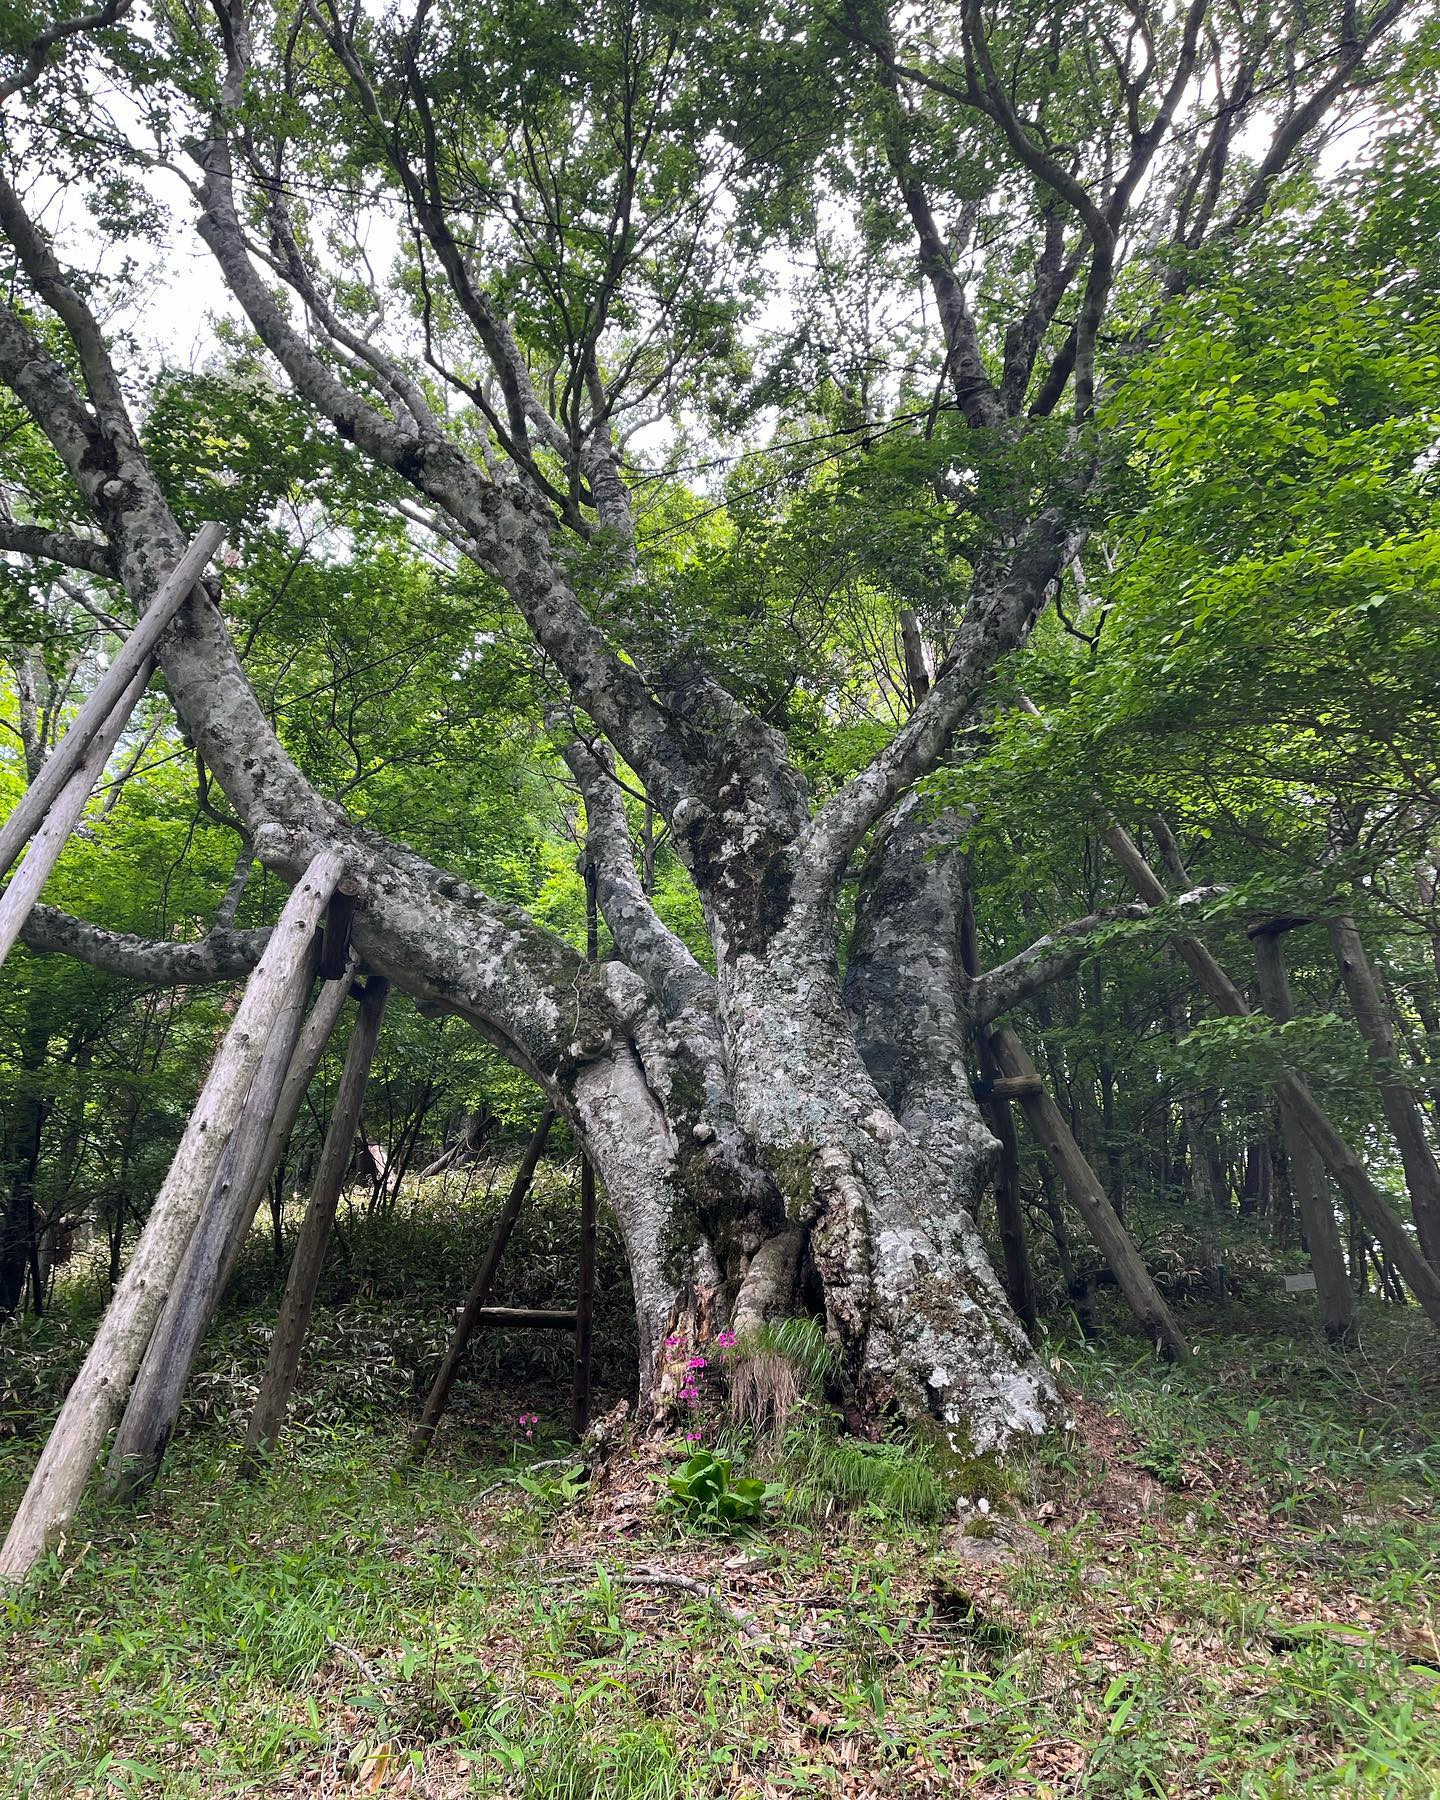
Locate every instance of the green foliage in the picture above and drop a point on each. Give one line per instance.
(893, 1482)
(554, 1493)
(705, 1491)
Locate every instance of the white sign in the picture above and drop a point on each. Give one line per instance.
(1299, 1284)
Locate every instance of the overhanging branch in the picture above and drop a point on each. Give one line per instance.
(42, 545)
(1060, 952)
(221, 955)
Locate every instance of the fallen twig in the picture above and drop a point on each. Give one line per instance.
(645, 1576)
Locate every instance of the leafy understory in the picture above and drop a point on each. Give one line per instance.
(1222, 1582)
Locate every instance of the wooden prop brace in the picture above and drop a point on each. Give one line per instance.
(472, 1315)
(298, 1301)
(99, 1390)
(54, 802)
(256, 1145)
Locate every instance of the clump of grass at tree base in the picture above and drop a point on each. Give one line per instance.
(778, 1376)
(772, 1369)
(895, 1480)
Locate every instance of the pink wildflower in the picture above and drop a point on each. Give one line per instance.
(696, 1362)
(726, 1340)
(672, 1343)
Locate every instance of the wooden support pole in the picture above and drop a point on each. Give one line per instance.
(1006, 1087)
(318, 1030)
(99, 1389)
(480, 1288)
(1010, 1216)
(111, 695)
(585, 1281)
(995, 1092)
(584, 1306)
(271, 1108)
(298, 1300)
(1307, 1171)
(1349, 1173)
(1090, 1200)
(25, 885)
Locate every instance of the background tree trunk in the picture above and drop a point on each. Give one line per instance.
(1402, 1110)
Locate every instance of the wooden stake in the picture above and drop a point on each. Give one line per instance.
(480, 1289)
(99, 1389)
(271, 1108)
(110, 695)
(24, 887)
(1090, 1199)
(1401, 1107)
(585, 1282)
(995, 1094)
(268, 1418)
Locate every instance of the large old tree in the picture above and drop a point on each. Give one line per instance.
(595, 217)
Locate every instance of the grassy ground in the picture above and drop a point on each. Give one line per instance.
(1222, 1581)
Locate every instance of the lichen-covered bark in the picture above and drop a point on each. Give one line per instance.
(909, 1293)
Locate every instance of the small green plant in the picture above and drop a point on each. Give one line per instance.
(556, 1491)
(704, 1490)
(802, 1343)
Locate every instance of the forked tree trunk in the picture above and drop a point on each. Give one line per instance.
(99, 1389)
(298, 1300)
(911, 1299)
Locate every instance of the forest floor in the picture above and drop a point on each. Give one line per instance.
(1223, 1581)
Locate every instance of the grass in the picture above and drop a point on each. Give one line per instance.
(1223, 1582)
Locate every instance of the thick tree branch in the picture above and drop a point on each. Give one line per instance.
(655, 953)
(43, 545)
(221, 955)
(1058, 954)
(964, 362)
(507, 528)
(442, 941)
(38, 52)
(996, 621)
